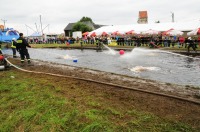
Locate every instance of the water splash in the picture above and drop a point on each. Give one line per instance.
(110, 51)
(185, 56)
(138, 52)
(138, 69)
(67, 57)
(58, 56)
(153, 52)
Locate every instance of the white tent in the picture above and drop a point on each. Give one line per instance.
(37, 36)
(151, 32)
(175, 32)
(194, 32)
(181, 26)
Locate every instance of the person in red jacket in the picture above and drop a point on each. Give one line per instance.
(181, 40)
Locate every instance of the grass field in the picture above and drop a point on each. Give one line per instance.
(43, 103)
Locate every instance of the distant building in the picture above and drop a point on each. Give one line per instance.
(143, 17)
(69, 27)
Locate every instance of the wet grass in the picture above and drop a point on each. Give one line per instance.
(38, 103)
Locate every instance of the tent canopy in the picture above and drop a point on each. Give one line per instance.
(194, 32)
(173, 32)
(181, 26)
(151, 32)
(85, 33)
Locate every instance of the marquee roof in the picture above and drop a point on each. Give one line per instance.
(138, 28)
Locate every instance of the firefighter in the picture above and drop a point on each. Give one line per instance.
(13, 46)
(21, 48)
(191, 44)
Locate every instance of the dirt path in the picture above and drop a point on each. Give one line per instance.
(127, 99)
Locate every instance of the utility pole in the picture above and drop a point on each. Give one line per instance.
(172, 16)
(4, 23)
(41, 24)
(36, 28)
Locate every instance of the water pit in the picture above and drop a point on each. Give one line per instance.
(145, 63)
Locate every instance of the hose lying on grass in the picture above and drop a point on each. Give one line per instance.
(105, 83)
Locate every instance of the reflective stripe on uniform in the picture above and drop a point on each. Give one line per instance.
(19, 41)
(12, 46)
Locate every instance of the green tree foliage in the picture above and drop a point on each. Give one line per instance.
(84, 19)
(81, 27)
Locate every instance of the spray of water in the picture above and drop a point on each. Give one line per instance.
(141, 52)
(137, 53)
(138, 69)
(110, 51)
(58, 56)
(152, 52)
(179, 55)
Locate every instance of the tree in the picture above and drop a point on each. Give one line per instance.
(84, 19)
(81, 27)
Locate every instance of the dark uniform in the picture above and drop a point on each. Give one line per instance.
(0, 48)
(191, 44)
(21, 47)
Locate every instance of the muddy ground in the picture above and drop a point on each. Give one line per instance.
(165, 107)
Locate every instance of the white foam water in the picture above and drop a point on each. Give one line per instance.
(58, 56)
(67, 57)
(142, 69)
(152, 52)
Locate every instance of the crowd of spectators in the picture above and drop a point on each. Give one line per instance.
(152, 41)
(123, 40)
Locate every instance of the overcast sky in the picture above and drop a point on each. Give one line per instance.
(58, 14)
